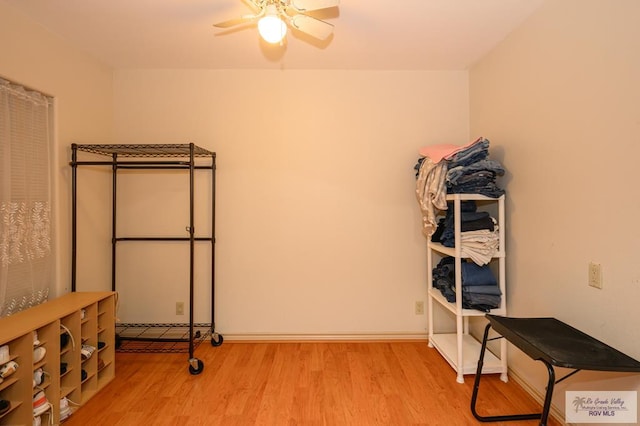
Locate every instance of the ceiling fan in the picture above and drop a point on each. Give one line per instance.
(273, 16)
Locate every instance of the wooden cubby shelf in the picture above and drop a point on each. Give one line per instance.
(88, 317)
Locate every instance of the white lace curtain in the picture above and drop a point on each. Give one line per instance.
(26, 240)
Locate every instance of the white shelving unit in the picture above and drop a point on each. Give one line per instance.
(461, 349)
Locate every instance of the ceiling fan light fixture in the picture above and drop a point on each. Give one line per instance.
(271, 27)
(274, 17)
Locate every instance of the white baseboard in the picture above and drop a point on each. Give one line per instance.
(346, 337)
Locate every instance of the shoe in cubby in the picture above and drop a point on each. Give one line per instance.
(87, 351)
(38, 377)
(8, 369)
(38, 354)
(4, 354)
(40, 404)
(65, 409)
(4, 406)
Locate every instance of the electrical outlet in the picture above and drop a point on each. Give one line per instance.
(179, 308)
(419, 307)
(595, 275)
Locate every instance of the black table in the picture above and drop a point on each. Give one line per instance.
(556, 344)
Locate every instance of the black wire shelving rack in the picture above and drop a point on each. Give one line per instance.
(154, 337)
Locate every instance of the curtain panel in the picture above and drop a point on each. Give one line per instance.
(26, 232)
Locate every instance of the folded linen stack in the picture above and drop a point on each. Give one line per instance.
(479, 237)
(454, 169)
(470, 171)
(480, 288)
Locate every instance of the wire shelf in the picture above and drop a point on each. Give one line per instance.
(166, 338)
(146, 150)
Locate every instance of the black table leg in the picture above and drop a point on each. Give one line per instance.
(547, 399)
(476, 385)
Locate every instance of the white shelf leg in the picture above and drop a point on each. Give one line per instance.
(457, 211)
(429, 299)
(430, 308)
(503, 360)
(460, 361)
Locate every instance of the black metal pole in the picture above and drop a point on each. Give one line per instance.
(547, 399)
(213, 243)
(114, 199)
(191, 246)
(74, 208)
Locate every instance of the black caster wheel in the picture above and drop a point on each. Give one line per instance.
(216, 339)
(198, 369)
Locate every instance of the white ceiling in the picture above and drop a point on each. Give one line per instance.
(369, 34)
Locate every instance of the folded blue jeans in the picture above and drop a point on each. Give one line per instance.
(474, 274)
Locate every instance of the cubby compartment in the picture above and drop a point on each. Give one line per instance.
(45, 357)
(16, 384)
(105, 363)
(69, 365)
(88, 351)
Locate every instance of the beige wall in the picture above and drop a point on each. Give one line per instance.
(559, 99)
(83, 89)
(317, 223)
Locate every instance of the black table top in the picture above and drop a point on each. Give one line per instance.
(561, 345)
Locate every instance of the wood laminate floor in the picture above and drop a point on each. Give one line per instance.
(328, 383)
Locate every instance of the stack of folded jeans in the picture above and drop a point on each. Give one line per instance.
(444, 278)
(470, 171)
(480, 289)
(478, 232)
(453, 169)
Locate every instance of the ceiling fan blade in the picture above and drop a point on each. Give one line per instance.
(236, 21)
(307, 5)
(312, 26)
(256, 4)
